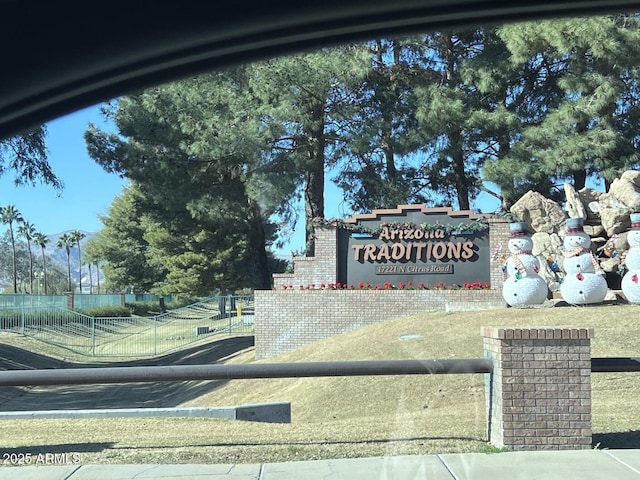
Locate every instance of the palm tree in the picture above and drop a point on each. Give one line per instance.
(76, 236)
(41, 240)
(93, 256)
(66, 241)
(10, 215)
(28, 231)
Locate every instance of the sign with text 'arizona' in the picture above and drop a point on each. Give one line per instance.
(413, 245)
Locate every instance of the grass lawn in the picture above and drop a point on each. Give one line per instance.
(356, 416)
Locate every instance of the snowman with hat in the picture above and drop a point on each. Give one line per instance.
(523, 285)
(584, 281)
(631, 280)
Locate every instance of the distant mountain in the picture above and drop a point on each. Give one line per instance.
(59, 255)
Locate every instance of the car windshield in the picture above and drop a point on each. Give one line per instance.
(407, 246)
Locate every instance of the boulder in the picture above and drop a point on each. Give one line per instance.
(610, 264)
(588, 195)
(575, 207)
(589, 198)
(620, 242)
(615, 220)
(594, 230)
(614, 214)
(626, 190)
(540, 213)
(548, 248)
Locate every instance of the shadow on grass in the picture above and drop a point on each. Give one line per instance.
(618, 440)
(124, 395)
(57, 449)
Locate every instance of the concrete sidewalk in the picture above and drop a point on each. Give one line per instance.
(543, 465)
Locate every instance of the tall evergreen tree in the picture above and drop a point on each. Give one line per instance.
(26, 156)
(578, 105)
(189, 152)
(448, 115)
(307, 100)
(378, 167)
(121, 244)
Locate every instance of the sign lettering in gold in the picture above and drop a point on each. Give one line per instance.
(416, 251)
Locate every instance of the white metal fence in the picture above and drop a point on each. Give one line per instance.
(131, 336)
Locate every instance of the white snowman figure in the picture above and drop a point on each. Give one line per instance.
(584, 281)
(631, 280)
(523, 285)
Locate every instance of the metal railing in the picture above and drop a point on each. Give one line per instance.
(615, 364)
(90, 376)
(132, 336)
(105, 375)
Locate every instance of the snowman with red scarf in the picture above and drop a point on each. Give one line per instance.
(523, 285)
(631, 280)
(584, 281)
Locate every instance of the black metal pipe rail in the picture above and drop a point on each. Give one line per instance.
(99, 375)
(615, 364)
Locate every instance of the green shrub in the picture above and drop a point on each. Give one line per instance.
(143, 308)
(153, 307)
(108, 311)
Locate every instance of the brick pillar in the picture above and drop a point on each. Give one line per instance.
(539, 395)
(69, 300)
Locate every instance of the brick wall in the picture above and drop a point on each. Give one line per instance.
(539, 395)
(288, 319)
(322, 268)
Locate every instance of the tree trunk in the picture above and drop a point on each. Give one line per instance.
(258, 250)
(30, 267)
(79, 267)
(579, 179)
(314, 176)
(44, 270)
(457, 165)
(15, 268)
(68, 271)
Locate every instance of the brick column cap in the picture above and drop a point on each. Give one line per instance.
(539, 333)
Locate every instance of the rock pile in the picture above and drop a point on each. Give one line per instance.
(606, 221)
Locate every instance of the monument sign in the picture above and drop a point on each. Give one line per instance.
(413, 245)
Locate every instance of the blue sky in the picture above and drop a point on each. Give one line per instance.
(89, 190)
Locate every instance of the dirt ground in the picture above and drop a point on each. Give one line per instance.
(127, 395)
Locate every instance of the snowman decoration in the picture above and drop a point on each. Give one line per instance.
(631, 280)
(584, 281)
(523, 285)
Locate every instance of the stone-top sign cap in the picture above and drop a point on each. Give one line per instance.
(635, 221)
(574, 225)
(518, 228)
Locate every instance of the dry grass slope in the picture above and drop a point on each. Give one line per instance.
(360, 416)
